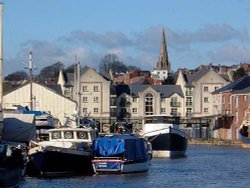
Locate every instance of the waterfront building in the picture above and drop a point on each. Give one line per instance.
(136, 101)
(197, 88)
(95, 95)
(43, 98)
(235, 100)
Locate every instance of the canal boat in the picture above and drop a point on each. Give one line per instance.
(68, 151)
(121, 153)
(165, 135)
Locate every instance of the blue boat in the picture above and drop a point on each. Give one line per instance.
(121, 154)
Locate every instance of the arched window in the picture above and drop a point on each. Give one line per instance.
(149, 104)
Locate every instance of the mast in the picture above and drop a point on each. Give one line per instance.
(31, 79)
(1, 70)
(1, 55)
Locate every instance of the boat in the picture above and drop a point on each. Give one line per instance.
(165, 135)
(12, 158)
(122, 153)
(68, 151)
(244, 134)
(12, 165)
(244, 130)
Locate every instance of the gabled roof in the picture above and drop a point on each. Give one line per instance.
(240, 84)
(190, 78)
(164, 90)
(54, 88)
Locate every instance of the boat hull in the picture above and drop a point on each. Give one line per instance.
(119, 166)
(168, 144)
(58, 162)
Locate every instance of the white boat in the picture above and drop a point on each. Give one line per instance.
(120, 154)
(68, 151)
(167, 139)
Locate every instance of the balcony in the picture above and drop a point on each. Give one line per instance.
(189, 104)
(175, 114)
(175, 104)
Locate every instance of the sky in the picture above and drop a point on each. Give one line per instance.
(198, 32)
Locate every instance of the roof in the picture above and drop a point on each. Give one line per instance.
(134, 89)
(190, 78)
(238, 85)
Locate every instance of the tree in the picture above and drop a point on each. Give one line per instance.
(50, 72)
(240, 72)
(112, 62)
(169, 80)
(17, 76)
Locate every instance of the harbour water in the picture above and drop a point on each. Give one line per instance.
(203, 166)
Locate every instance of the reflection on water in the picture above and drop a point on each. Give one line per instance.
(204, 166)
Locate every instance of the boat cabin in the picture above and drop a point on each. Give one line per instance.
(76, 134)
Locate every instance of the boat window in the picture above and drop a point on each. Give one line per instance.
(82, 135)
(56, 135)
(68, 134)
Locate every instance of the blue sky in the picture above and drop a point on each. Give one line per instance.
(198, 32)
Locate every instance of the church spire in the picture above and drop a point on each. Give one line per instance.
(163, 62)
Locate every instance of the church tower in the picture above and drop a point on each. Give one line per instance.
(163, 66)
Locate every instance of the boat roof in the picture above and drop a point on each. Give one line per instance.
(72, 129)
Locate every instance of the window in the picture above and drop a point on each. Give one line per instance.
(189, 101)
(189, 91)
(96, 88)
(223, 100)
(149, 104)
(188, 111)
(163, 99)
(205, 110)
(82, 135)
(163, 110)
(84, 110)
(85, 99)
(216, 88)
(174, 111)
(56, 135)
(205, 89)
(236, 101)
(96, 99)
(113, 101)
(68, 135)
(245, 98)
(134, 99)
(206, 99)
(134, 110)
(84, 88)
(96, 110)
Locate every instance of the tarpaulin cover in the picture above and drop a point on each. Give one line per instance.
(25, 110)
(132, 146)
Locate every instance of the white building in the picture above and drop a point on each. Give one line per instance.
(43, 99)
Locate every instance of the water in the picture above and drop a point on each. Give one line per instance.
(204, 166)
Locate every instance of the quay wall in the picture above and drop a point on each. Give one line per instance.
(213, 141)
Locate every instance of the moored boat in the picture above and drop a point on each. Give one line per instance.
(120, 154)
(68, 151)
(165, 135)
(244, 134)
